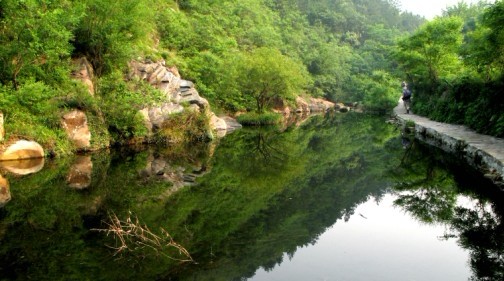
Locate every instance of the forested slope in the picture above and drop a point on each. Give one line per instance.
(337, 49)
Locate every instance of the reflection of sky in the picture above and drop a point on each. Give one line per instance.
(385, 245)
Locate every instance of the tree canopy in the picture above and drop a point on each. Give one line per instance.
(455, 65)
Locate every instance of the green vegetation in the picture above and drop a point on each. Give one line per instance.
(245, 56)
(455, 65)
(255, 119)
(184, 126)
(242, 55)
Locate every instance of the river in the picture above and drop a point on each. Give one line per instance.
(337, 197)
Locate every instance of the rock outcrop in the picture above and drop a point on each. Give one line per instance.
(76, 127)
(177, 91)
(22, 149)
(84, 73)
(319, 105)
(302, 106)
(310, 105)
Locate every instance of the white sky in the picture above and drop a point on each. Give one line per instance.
(430, 8)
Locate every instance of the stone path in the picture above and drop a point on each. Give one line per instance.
(482, 151)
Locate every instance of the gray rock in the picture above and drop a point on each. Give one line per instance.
(185, 84)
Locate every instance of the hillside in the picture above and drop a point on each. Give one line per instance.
(240, 55)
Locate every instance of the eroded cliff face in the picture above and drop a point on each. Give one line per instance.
(179, 95)
(177, 92)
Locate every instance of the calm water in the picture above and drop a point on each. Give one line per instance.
(340, 197)
(378, 242)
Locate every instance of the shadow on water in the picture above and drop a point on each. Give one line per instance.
(236, 205)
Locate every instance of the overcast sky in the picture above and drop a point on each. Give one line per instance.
(430, 8)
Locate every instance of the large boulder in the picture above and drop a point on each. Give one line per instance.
(320, 105)
(22, 149)
(76, 127)
(177, 91)
(231, 124)
(223, 125)
(218, 124)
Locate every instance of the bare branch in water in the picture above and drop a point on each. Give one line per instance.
(131, 235)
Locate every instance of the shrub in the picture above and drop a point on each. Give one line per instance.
(32, 113)
(120, 105)
(187, 126)
(256, 119)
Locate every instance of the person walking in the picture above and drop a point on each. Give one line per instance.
(406, 96)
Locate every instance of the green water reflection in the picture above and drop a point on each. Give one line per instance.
(236, 205)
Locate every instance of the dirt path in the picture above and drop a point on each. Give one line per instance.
(485, 152)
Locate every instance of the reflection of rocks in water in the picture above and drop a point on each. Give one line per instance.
(158, 167)
(23, 167)
(22, 149)
(5, 195)
(79, 176)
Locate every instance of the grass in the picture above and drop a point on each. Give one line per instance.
(260, 119)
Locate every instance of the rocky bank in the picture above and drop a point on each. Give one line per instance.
(178, 95)
(485, 153)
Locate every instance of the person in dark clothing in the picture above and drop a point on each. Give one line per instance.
(406, 96)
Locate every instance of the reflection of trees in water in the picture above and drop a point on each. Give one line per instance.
(433, 199)
(265, 146)
(481, 232)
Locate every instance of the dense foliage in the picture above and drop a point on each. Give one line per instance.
(455, 65)
(241, 54)
(334, 45)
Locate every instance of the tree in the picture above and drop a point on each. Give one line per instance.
(493, 18)
(34, 39)
(432, 51)
(265, 74)
(112, 30)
